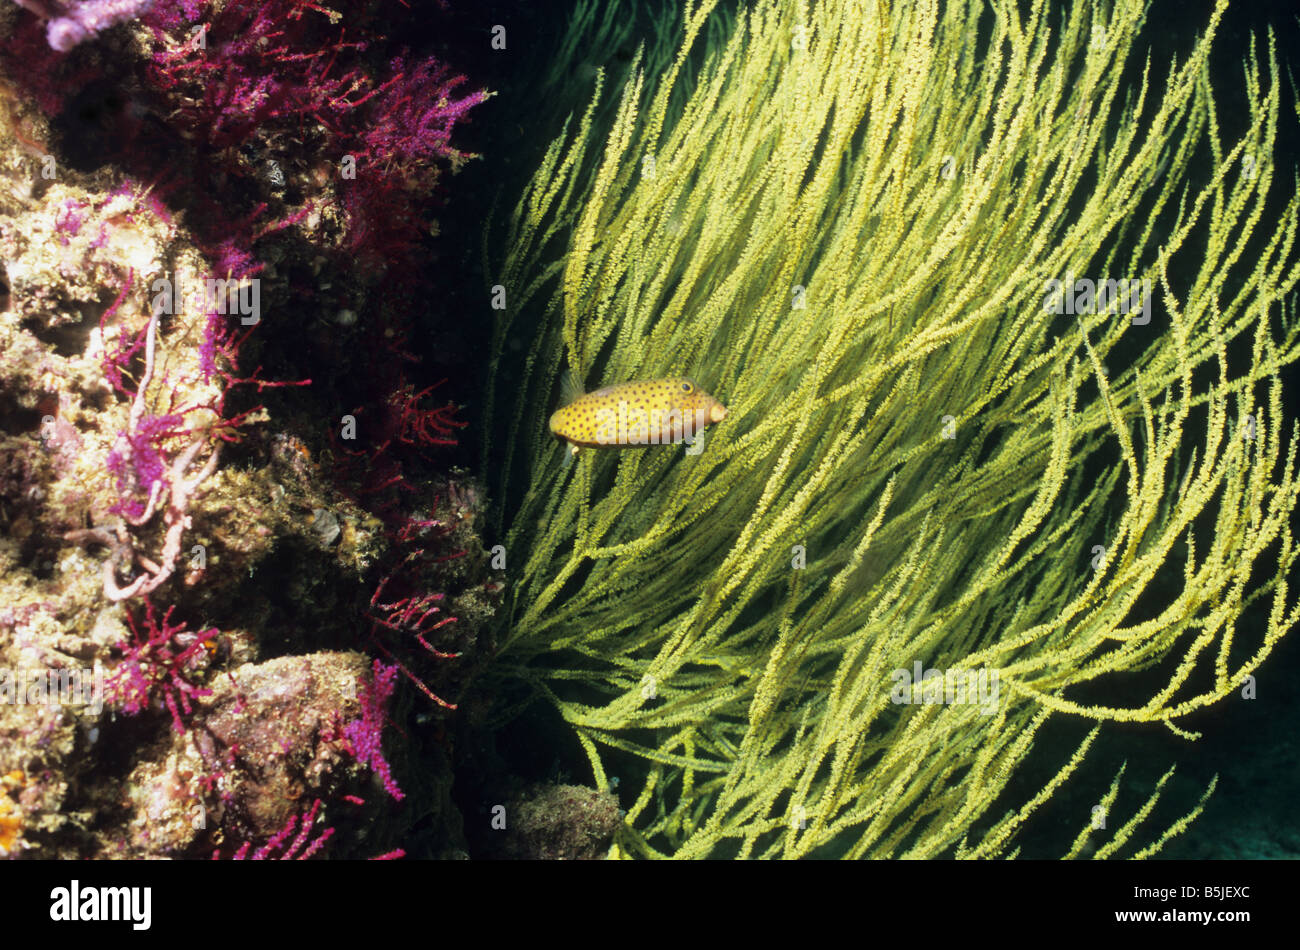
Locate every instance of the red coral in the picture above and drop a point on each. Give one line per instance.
(412, 610)
(427, 426)
(401, 421)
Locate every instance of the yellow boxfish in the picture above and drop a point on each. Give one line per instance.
(636, 414)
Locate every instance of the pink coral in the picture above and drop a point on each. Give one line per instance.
(365, 734)
(277, 842)
(83, 20)
(267, 68)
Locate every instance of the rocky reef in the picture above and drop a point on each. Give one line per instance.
(244, 596)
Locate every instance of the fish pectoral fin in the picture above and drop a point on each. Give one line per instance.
(570, 388)
(570, 454)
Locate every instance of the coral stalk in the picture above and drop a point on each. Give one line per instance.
(81, 21)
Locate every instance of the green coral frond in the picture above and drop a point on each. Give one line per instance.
(842, 218)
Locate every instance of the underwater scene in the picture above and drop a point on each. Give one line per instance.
(723, 429)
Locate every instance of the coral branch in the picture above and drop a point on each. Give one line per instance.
(146, 459)
(156, 666)
(83, 20)
(276, 842)
(364, 735)
(137, 455)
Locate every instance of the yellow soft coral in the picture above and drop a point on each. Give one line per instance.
(846, 215)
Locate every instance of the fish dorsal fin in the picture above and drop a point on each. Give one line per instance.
(570, 388)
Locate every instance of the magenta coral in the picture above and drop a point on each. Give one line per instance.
(413, 117)
(143, 465)
(364, 734)
(409, 128)
(277, 841)
(260, 62)
(279, 67)
(68, 220)
(155, 460)
(157, 664)
(139, 464)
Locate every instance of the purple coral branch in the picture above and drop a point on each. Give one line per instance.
(364, 735)
(267, 851)
(83, 20)
(156, 662)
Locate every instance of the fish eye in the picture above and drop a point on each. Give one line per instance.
(687, 387)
